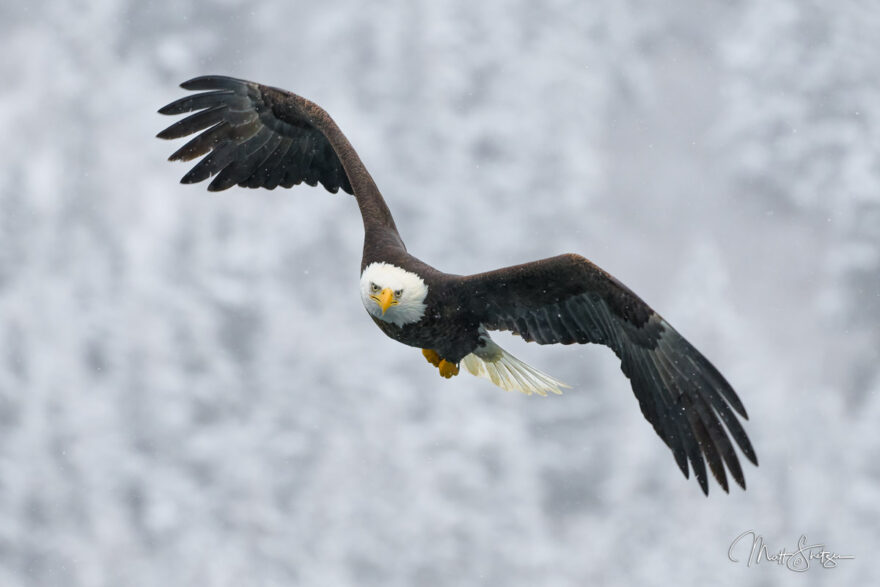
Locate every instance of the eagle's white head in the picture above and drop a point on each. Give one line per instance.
(393, 294)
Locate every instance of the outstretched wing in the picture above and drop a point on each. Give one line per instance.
(567, 299)
(254, 136)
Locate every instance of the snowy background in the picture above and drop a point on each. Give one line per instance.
(192, 394)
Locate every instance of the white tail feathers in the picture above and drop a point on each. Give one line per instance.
(507, 372)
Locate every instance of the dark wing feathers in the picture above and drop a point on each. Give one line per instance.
(567, 300)
(253, 136)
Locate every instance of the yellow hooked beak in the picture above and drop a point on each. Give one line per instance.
(385, 299)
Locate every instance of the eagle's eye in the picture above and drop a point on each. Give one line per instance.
(373, 287)
(397, 293)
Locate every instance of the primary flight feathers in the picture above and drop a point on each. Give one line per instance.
(258, 136)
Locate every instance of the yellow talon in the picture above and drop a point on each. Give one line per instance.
(447, 369)
(432, 357)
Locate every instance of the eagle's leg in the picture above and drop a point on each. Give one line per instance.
(447, 369)
(432, 356)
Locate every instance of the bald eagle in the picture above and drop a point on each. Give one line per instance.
(255, 136)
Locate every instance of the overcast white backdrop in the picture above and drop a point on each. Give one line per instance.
(192, 394)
